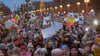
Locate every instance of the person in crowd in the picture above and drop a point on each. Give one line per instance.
(74, 51)
(16, 51)
(49, 46)
(40, 52)
(65, 50)
(67, 40)
(23, 50)
(30, 48)
(56, 52)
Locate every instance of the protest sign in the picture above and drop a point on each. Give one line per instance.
(8, 24)
(97, 52)
(48, 32)
(70, 21)
(98, 39)
(58, 26)
(46, 20)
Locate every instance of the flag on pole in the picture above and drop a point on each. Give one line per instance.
(42, 7)
(10, 15)
(15, 20)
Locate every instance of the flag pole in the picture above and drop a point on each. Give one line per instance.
(42, 9)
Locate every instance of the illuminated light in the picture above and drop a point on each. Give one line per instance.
(47, 8)
(68, 5)
(61, 6)
(58, 12)
(86, 0)
(83, 11)
(56, 7)
(78, 3)
(87, 29)
(64, 11)
(95, 22)
(51, 8)
(92, 10)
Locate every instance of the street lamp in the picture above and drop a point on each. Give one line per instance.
(51, 8)
(27, 5)
(61, 6)
(58, 12)
(86, 1)
(56, 7)
(47, 8)
(64, 12)
(92, 10)
(83, 11)
(78, 4)
(68, 5)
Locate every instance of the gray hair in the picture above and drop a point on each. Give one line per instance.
(16, 49)
(54, 51)
(41, 50)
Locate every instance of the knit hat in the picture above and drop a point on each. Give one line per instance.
(23, 48)
(65, 46)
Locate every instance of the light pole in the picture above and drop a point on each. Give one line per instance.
(86, 1)
(78, 4)
(68, 5)
(61, 6)
(56, 8)
(27, 6)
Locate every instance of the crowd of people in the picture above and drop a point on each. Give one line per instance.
(69, 41)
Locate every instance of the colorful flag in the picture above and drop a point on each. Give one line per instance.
(97, 52)
(98, 39)
(42, 7)
(46, 21)
(17, 18)
(10, 15)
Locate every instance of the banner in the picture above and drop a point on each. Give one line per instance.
(98, 39)
(74, 15)
(48, 32)
(97, 52)
(46, 20)
(8, 24)
(58, 26)
(70, 21)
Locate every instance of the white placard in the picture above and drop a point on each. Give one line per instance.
(58, 26)
(48, 32)
(46, 20)
(8, 23)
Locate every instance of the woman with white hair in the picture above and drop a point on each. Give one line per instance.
(56, 52)
(40, 52)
